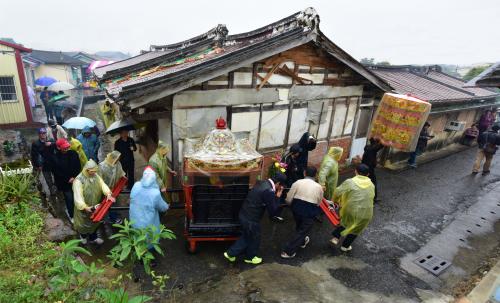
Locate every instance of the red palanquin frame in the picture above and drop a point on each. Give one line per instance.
(188, 200)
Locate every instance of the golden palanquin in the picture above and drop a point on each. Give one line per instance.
(220, 151)
(399, 120)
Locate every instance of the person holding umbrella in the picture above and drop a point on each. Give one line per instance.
(56, 107)
(89, 142)
(126, 146)
(45, 96)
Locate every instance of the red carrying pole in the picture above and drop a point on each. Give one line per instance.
(103, 208)
(330, 213)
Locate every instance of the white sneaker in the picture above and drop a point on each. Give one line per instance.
(97, 241)
(346, 249)
(306, 241)
(284, 255)
(334, 241)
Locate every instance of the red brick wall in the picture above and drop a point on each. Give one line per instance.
(316, 156)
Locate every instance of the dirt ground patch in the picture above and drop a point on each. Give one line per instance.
(464, 287)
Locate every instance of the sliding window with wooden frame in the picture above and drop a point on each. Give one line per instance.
(275, 126)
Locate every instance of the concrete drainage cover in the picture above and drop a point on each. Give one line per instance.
(434, 264)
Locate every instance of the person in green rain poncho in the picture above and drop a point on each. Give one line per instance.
(88, 190)
(159, 163)
(111, 171)
(355, 197)
(328, 175)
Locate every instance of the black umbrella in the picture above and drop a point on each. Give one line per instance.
(123, 124)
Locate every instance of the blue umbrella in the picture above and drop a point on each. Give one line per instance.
(45, 81)
(78, 123)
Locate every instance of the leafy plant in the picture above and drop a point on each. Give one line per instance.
(9, 147)
(159, 281)
(136, 245)
(121, 296)
(17, 189)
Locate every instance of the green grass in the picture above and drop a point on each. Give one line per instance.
(24, 252)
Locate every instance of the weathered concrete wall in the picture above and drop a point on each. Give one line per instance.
(442, 137)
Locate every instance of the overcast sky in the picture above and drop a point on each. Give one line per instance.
(399, 31)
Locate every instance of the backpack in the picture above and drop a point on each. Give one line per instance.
(489, 148)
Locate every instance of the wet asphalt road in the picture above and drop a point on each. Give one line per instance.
(416, 205)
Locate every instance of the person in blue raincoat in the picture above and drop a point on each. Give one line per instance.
(90, 143)
(146, 201)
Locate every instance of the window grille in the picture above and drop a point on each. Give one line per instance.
(7, 89)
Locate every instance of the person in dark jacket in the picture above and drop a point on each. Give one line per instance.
(264, 195)
(307, 143)
(487, 143)
(370, 159)
(65, 169)
(126, 146)
(305, 197)
(486, 121)
(42, 151)
(421, 145)
(293, 171)
(45, 96)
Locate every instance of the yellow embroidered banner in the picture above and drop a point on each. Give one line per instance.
(399, 120)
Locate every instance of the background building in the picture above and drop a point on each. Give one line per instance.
(15, 109)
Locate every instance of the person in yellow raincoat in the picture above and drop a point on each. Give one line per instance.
(159, 163)
(111, 171)
(108, 113)
(328, 175)
(77, 147)
(355, 197)
(88, 189)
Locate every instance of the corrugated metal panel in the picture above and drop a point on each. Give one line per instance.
(12, 113)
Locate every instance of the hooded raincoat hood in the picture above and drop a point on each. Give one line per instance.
(148, 179)
(113, 157)
(336, 152)
(163, 148)
(86, 129)
(90, 165)
(159, 164)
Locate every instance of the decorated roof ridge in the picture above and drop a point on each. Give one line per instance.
(217, 33)
(308, 19)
